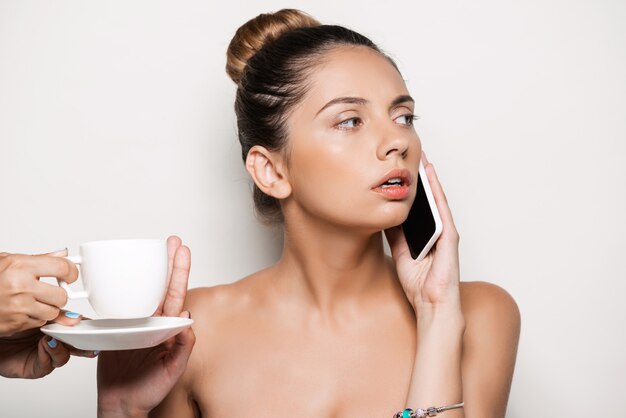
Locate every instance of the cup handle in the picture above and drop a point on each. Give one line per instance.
(73, 294)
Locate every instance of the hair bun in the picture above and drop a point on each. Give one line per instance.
(256, 32)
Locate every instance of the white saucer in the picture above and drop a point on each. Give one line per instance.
(118, 334)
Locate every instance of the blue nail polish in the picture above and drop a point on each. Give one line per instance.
(52, 343)
(72, 315)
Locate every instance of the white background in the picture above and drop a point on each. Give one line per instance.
(116, 121)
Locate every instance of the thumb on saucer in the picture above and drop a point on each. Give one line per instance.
(68, 318)
(50, 355)
(42, 365)
(183, 344)
(184, 339)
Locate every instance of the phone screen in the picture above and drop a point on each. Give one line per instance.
(420, 225)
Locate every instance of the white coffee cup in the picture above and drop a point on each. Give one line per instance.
(122, 278)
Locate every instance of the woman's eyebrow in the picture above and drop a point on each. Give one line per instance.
(401, 99)
(361, 101)
(338, 100)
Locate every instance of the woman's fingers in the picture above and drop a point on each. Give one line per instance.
(397, 242)
(446, 259)
(50, 354)
(50, 266)
(42, 266)
(31, 323)
(183, 345)
(449, 229)
(173, 242)
(49, 294)
(82, 353)
(68, 318)
(58, 352)
(72, 274)
(43, 362)
(30, 312)
(42, 311)
(177, 289)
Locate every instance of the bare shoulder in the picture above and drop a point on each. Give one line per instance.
(218, 313)
(488, 304)
(215, 302)
(211, 306)
(206, 302)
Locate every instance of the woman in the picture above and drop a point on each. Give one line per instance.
(335, 327)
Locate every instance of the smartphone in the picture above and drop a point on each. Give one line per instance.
(423, 225)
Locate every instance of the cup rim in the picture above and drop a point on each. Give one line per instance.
(130, 240)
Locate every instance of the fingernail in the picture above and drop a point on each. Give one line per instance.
(52, 343)
(95, 353)
(72, 315)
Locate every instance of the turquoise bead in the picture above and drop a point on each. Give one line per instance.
(406, 413)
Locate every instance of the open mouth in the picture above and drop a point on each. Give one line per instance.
(398, 177)
(395, 184)
(396, 181)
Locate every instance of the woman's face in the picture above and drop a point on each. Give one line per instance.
(349, 133)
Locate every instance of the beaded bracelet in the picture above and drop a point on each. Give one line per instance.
(428, 412)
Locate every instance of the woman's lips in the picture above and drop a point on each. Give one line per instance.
(393, 192)
(395, 184)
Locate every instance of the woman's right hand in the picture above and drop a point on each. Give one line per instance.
(25, 301)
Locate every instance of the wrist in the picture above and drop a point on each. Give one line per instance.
(441, 319)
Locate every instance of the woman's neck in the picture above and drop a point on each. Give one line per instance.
(327, 266)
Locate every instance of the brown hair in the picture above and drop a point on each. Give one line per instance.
(255, 33)
(269, 59)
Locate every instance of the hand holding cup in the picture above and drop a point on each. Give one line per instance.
(26, 303)
(138, 380)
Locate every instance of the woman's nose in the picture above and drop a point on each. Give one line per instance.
(392, 142)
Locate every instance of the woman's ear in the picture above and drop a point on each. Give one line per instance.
(267, 171)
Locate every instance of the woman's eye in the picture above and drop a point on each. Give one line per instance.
(408, 119)
(349, 123)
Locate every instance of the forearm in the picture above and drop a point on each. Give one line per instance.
(436, 377)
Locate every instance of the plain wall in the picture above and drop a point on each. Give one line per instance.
(116, 121)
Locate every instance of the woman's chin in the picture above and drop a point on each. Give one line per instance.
(366, 220)
(395, 217)
(388, 220)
